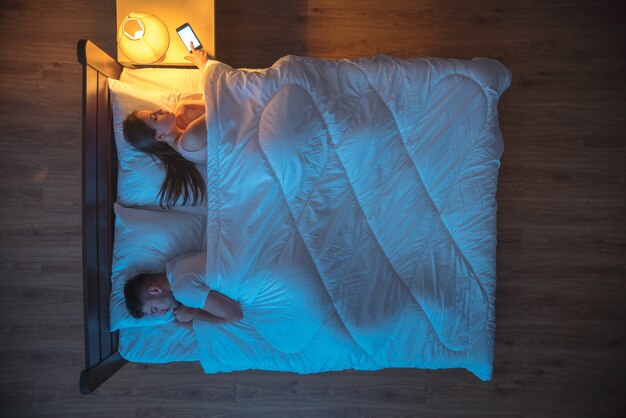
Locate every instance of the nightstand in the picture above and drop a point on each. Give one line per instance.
(200, 14)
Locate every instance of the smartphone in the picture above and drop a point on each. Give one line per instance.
(187, 35)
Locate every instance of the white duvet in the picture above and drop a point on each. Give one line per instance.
(352, 211)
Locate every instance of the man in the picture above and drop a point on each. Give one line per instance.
(183, 288)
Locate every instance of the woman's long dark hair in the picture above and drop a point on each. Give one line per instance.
(181, 175)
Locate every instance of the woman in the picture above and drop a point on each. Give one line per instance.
(178, 140)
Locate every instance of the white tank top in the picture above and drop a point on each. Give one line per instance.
(198, 157)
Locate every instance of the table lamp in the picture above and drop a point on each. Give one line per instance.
(143, 38)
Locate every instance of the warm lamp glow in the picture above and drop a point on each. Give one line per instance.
(133, 28)
(143, 38)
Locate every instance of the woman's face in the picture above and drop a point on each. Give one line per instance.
(162, 121)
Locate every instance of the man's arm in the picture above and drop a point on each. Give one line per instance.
(188, 286)
(184, 315)
(202, 315)
(224, 310)
(222, 306)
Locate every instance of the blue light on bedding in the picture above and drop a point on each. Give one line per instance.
(352, 211)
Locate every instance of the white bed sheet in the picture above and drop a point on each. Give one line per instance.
(139, 178)
(172, 79)
(138, 187)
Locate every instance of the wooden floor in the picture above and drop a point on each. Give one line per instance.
(560, 349)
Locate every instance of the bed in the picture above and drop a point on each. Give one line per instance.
(350, 209)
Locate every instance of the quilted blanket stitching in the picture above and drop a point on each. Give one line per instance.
(309, 250)
(372, 229)
(446, 228)
(215, 190)
(268, 346)
(440, 212)
(361, 208)
(470, 150)
(423, 184)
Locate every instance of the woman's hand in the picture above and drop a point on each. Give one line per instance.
(198, 57)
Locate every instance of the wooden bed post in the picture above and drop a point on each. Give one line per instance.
(102, 358)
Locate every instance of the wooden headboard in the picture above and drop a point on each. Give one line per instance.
(102, 358)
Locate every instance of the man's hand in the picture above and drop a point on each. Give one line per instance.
(187, 325)
(184, 314)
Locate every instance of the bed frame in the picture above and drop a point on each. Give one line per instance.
(102, 358)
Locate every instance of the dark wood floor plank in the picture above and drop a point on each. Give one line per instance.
(331, 389)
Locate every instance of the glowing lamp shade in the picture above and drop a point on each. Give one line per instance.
(143, 38)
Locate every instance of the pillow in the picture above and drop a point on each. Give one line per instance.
(139, 177)
(144, 241)
(164, 78)
(158, 344)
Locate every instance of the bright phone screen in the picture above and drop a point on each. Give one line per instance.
(187, 35)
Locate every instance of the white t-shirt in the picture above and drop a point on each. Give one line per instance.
(186, 275)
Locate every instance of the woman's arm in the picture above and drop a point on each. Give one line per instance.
(194, 137)
(192, 101)
(198, 57)
(187, 111)
(195, 104)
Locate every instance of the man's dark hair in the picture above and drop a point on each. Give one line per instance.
(132, 293)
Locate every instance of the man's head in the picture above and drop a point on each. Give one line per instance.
(148, 294)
